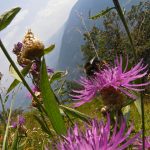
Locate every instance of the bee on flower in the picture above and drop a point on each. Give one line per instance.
(113, 83)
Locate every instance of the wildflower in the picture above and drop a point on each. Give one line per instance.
(37, 93)
(17, 48)
(98, 136)
(19, 125)
(20, 122)
(138, 143)
(113, 83)
(50, 70)
(35, 68)
(35, 90)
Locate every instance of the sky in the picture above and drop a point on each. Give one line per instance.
(45, 18)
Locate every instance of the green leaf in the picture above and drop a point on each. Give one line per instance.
(49, 49)
(4, 147)
(16, 81)
(57, 75)
(137, 103)
(76, 113)
(126, 112)
(7, 17)
(14, 73)
(13, 85)
(50, 102)
(101, 14)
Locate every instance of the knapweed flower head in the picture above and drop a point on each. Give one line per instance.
(98, 136)
(138, 144)
(37, 93)
(35, 89)
(19, 122)
(113, 83)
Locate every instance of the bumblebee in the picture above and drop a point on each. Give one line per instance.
(94, 65)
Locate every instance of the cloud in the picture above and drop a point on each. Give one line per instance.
(19, 18)
(51, 18)
(9, 37)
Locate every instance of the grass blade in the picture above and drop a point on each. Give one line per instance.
(57, 75)
(15, 141)
(121, 15)
(8, 123)
(126, 112)
(75, 113)
(137, 103)
(101, 13)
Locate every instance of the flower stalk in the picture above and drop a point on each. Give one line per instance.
(120, 13)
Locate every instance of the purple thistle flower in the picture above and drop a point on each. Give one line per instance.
(14, 125)
(50, 70)
(138, 143)
(19, 122)
(98, 136)
(116, 78)
(34, 67)
(34, 89)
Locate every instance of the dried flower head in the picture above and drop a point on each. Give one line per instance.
(32, 47)
(113, 83)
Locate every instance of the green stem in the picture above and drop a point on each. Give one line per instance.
(7, 127)
(120, 13)
(4, 112)
(143, 122)
(119, 10)
(40, 107)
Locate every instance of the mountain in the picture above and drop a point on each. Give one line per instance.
(70, 56)
(52, 58)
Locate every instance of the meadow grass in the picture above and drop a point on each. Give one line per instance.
(36, 138)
